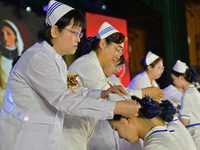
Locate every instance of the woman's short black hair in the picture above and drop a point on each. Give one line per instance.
(79, 20)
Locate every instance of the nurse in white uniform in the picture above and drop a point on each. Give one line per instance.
(153, 69)
(104, 48)
(150, 126)
(190, 102)
(37, 97)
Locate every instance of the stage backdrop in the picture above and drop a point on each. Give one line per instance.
(94, 21)
(18, 27)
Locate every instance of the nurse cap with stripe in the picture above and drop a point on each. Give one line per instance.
(151, 57)
(105, 30)
(180, 67)
(55, 11)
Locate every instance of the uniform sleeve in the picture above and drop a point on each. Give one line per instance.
(186, 106)
(138, 83)
(43, 76)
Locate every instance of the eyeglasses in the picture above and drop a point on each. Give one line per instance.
(119, 50)
(119, 68)
(161, 68)
(76, 33)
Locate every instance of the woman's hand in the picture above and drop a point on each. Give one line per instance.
(154, 93)
(128, 109)
(115, 89)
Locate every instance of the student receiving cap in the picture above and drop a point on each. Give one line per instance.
(183, 77)
(180, 67)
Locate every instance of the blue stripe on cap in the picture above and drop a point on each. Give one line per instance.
(53, 7)
(197, 124)
(106, 30)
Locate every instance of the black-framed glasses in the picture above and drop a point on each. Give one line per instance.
(119, 50)
(76, 33)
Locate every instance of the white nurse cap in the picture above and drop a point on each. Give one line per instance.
(105, 30)
(180, 67)
(151, 57)
(55, 11)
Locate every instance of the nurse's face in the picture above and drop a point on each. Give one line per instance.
(176, 81)
(112, 53)
(157, 70)
(66, 41)
(110, 69)
(9, 36)
(127, 129)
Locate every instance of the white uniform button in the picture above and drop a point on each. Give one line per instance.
(26, 118)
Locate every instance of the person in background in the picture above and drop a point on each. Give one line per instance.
(153, 69)
(104, 137)
(110, 71)
(183, 76)
(11, 45)
(150, 126)
(37, 96)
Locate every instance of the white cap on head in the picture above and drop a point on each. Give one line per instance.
(180, 67)
(55, 11)
(151, 57)
(105, 30)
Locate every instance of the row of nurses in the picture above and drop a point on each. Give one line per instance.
(103, 49)
(37, 97)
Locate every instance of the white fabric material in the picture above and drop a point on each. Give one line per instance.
(91, 75)
(141, 81)
(37, 98)
(182, 133)
(81, 129)
(190, 104)
(151, 57)
(106, 30)
(173, 95)
(180, 67)
(160, 138)
(55, 11)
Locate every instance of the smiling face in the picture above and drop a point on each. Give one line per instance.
(9, 36)
(65, 42)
